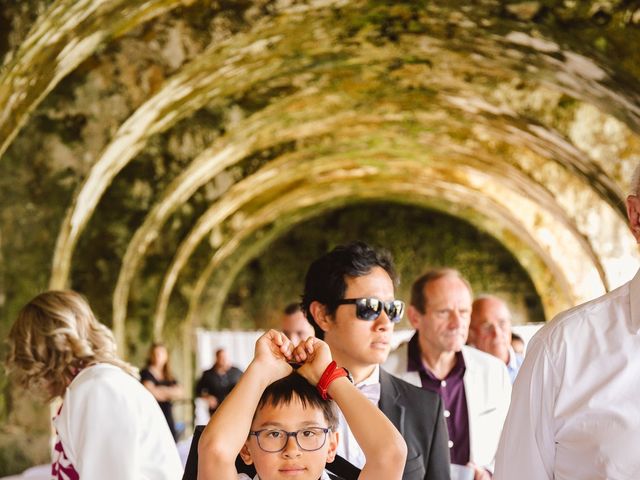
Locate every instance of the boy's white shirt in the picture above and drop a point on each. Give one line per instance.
(348, 447)
(244, 476)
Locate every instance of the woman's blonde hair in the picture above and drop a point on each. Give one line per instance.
(54, 337)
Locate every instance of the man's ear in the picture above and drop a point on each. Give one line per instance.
(633, 212)
(245, 454)
(320, 315)
(414, 317)
(334, 438)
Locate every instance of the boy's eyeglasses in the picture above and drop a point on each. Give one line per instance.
(371, 308)
(308, 439)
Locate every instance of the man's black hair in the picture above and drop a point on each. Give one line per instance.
(326, 280)
(292, 308)
(283, 392)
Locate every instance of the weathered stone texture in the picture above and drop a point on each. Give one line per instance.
(168, 158)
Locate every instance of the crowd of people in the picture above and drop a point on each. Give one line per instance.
(327, 398)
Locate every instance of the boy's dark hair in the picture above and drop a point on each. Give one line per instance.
(283, 391)
(326, 278)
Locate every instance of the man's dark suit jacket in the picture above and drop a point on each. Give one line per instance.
(418, 416)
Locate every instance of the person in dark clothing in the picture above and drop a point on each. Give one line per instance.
(349, 299)
(159, 380)
(216, 383)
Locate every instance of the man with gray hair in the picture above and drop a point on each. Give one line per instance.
(490, 331)
(574, 413)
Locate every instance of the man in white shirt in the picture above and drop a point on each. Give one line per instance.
(349, 298)
(490, 331)
(474, 386)
(574, 413)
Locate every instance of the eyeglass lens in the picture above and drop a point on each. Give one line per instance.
(308, 439)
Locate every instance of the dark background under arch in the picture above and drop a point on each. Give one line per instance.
(418, 238)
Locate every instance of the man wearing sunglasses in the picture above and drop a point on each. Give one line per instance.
(349, 299)
(474, 386)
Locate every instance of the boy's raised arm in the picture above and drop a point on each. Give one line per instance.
(227, 431)
(383, 446)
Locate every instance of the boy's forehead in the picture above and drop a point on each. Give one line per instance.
(290, 415)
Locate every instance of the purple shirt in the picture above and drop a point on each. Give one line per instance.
(451, 390)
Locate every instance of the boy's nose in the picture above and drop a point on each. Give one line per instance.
(291, 449)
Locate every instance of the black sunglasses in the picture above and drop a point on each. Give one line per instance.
(371, 308)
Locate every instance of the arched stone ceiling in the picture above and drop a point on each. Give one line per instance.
(301, 203)
(208, 165)
(286, 47)
(432, 184)
(60, 40)
(515, 116)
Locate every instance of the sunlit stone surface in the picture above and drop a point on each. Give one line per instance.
(167, 157)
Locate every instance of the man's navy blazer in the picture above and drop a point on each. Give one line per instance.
(419, 417)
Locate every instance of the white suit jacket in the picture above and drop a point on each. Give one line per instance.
(487, 389)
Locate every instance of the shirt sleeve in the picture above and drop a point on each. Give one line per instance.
(527, 446)
(145, 375)
(103, 432)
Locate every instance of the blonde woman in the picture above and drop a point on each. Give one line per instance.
(109, 426)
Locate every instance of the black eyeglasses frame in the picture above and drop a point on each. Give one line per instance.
(256, 433)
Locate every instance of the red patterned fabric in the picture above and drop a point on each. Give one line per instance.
(61, 468)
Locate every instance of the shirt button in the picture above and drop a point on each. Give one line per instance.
(450, 444)
(447, 414)
(443, 383)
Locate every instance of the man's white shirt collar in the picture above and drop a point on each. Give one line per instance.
(348, 447)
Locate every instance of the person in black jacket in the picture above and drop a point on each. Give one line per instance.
(349, 299)
(216, 383)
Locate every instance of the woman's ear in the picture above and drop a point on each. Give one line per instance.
(245, 454)
(320, 315)
(334, 438)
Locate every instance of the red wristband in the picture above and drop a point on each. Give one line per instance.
(330, 374)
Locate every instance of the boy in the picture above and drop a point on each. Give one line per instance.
(288, 430)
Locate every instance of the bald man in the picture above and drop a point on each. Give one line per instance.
(490, 331)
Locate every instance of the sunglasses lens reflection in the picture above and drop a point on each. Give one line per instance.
(368, 308)
(396, 311)
(371, 308)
